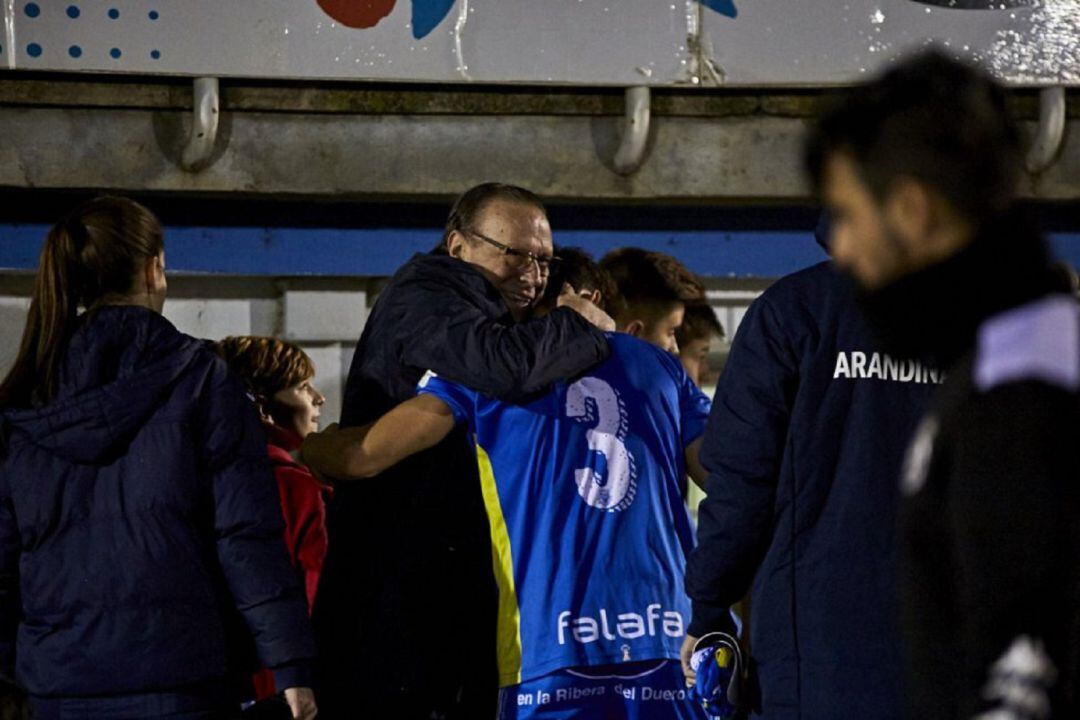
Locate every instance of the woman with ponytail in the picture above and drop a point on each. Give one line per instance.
(139, 525)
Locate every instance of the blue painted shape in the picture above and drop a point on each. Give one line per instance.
(73, 11)
(33, 50)
(744, 253)
(255, 251)
(115, 53)
(724, 7)
(32, 10)
(155, 54)
(154, 15)
(75, 51)
(114, 13)
(427, 14)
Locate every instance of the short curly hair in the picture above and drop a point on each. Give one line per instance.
(576, 267)
(649, 282)
(266, 364)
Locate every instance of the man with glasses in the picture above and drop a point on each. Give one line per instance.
(405, 613)
(582, 490)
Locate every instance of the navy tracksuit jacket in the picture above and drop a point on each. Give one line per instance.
(804, 444)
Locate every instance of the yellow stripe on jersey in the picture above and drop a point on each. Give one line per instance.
(508, 642)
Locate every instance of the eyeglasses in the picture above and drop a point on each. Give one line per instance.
(520, 259)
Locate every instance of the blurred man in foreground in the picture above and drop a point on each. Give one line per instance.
(919, 171)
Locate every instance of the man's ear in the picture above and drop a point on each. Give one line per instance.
(455, 244)
(595, 297)
(635, 328)
(909, 210)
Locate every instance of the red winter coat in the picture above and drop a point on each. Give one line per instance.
(303, 503)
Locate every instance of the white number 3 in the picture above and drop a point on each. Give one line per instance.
(591, 400)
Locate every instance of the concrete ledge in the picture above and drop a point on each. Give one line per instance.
(734, 159)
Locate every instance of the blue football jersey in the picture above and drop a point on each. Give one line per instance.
(588, 526)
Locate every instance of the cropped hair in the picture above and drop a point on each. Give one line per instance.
(266, 364)
(699, 321)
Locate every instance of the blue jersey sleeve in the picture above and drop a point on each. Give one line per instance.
(694, 407)
(462, 400)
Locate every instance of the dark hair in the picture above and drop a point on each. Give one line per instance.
(931, 118)
(577, 267)
(95, 251)
(699, 321)
(471, 202)
(266, 364)
(649, 282)
(686, 284)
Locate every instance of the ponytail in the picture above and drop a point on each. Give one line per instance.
(91, 253)
(53, 308)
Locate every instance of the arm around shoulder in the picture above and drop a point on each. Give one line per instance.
(461, 342)
(362, 452)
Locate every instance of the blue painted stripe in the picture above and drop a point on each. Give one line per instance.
(1066, 247)
(380, 251)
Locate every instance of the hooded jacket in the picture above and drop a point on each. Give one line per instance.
(803, 447)
(409, 557)
(138, 514)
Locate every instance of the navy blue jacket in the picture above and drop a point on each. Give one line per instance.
(409, 559)
(138, 513)
(804, 444)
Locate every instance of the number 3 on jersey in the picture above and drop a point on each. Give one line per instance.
(609, 481)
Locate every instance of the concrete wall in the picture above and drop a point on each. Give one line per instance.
(324, 316)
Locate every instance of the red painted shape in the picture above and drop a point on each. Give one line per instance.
(357, 13)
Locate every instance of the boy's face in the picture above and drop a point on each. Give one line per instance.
(659, 327)
(694, 355)
(297, 408)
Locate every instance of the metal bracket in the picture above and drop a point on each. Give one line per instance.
(631, 152)
(1048, 138)
(204, 126)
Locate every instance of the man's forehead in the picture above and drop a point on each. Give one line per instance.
(502, 212)
(515, 219)
(842, 176)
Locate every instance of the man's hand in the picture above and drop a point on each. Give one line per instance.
(582, 304)
(684, 657)
(301, 702)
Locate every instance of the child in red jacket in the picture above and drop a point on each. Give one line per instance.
(279, 377)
